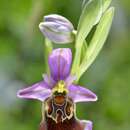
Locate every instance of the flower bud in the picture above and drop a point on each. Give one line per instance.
(57, 28)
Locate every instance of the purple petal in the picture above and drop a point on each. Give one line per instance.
(39, 91)
(60, 63)
(59, 19)
(56, 33)
(87, 125)
(81, 94)
(54, 27)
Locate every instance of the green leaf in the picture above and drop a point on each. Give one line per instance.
(90, 16)
(98, 40)
(105, 4)
(84, 50)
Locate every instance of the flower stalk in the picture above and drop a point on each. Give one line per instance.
(49, 47)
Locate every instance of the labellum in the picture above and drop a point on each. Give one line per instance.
(59, 112)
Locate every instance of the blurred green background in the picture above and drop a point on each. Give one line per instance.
(22, 63)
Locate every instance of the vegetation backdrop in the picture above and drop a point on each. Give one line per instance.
(22, 64)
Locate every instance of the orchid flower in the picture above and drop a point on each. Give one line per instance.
(59, 94)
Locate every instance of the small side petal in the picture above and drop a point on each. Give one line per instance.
(60, 63)
(49, 80)
(69, 80)
(81, 94)
(38, 91)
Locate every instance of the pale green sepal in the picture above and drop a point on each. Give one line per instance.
(98, 40)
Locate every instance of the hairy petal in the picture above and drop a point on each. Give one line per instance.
(72, 124)
(38, 91)
(60, 63)
(81, 94)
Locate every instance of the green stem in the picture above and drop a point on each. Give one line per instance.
(76, 61)
(48, 49)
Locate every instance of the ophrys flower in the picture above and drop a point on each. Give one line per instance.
(59, 94)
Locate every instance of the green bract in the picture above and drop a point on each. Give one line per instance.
(95, 14)
(105, 4)
(97, 41)
(90, 16)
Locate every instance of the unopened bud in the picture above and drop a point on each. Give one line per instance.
(57, 28)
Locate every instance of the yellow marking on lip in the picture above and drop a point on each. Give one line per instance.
(60, 87)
